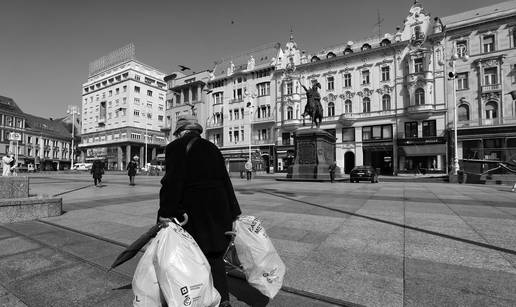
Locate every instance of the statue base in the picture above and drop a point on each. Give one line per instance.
(315, 151)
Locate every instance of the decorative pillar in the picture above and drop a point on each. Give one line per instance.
(119, 157)
(127, 154)
(153, 153)
(142, 156)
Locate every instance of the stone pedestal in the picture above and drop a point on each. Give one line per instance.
(17, 206)
(315, 151)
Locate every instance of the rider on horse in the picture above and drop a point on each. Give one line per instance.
(313, 105)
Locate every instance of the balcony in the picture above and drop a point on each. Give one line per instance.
(214, 125)
(331, 119)
(268, 119)
(491, 88)
(292, 122)
(351, 117)
(263, 142)
(420, 108)
(490, 121)
(237, 100)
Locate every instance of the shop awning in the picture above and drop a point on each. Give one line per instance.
(424, 150)
(160, 157)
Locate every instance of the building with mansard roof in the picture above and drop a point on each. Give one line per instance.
(12, 119)
(383, 99)
(484, 43)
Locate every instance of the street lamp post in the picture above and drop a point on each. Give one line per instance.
(72, 110)
(250, 106)
(453, 77)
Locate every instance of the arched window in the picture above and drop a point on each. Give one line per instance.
(290, 113)
(385, 42)
(463, 112)
(315, 59)
(331, 109)
(491, 110)
(386, 102)
(330, 55)
(420, 96)
(348, 51)
(366, 105)
(348, 106)
(365, 47)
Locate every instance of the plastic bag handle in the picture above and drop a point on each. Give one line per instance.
(185, 220)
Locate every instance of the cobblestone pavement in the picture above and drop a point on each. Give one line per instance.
(387, 244)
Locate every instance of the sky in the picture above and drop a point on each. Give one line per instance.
(46, 46)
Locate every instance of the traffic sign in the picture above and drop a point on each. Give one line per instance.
(15, 136)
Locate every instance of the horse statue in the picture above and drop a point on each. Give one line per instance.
(313, 106)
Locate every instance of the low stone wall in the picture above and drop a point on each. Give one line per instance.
(29, 208)
(14, 187)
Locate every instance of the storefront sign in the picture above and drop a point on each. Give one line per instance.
(98, 152)
(422, 141)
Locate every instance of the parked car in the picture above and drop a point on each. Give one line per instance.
(82, 166)
(363, 173)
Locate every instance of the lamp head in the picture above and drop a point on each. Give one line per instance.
(454, 57)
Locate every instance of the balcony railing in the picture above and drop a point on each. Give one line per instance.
(357, 116)
(236, 100)
(263, 142)
(264, 119)
(331, 119)
(491, 88)
(421, 108)
(292, 122)
(213, 125)
(490, 121)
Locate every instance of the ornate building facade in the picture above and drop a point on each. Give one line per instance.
(241, 110)
(484, 44)
(383, 98)
(123, 110)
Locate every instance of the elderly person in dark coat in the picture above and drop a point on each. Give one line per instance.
(131, 170)
(197, 183)
(97, 169)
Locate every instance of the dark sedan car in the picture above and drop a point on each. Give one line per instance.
(363, 173)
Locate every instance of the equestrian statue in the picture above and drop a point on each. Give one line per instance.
(313, 106)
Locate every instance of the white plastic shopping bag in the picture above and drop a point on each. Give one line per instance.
(262, 265)
(145, 283)
(182, 270)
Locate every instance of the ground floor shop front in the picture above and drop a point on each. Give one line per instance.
(262, 157)
(116, 156)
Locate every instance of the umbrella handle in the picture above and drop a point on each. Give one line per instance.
(185, 220)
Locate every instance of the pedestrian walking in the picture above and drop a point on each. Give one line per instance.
(248, 169)
(7, 160)
(197, 183)
(331, 169)
(97, 169)
(131, 170)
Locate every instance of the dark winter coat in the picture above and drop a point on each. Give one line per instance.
(199, 185)
(131, 168)
(97, 169)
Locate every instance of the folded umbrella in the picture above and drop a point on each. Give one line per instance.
(139, 243)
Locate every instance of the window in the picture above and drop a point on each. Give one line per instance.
(264, 89)
(194, 93)
(365, 47)
(125, 88)
(149, 115)
(235, 112)
(285, 138)
(137, 101)
(149, 93)
(366, 133)
(186, 95)
(380, 132)
(491, 110)
(463, 112)
(331, 109)
(290, 113)
(348, 134)
(462, 81)
(330, 83)
(236, 135)
(137, 89)
(488, 43)
(366, 105)
(420, 96)
(348, 51)
(418, 65)
(429, 128)
(110, 93)
(386, 102)
(137, 77)
(149, 104)
(490, 76)
(386, 73)
(136, 113)
(365, 77)
(117, 91)
(462, 48)
(347, 80)
(217, 98)
(348, 106)
(513, 36)
(411, 130)
(290, 89)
